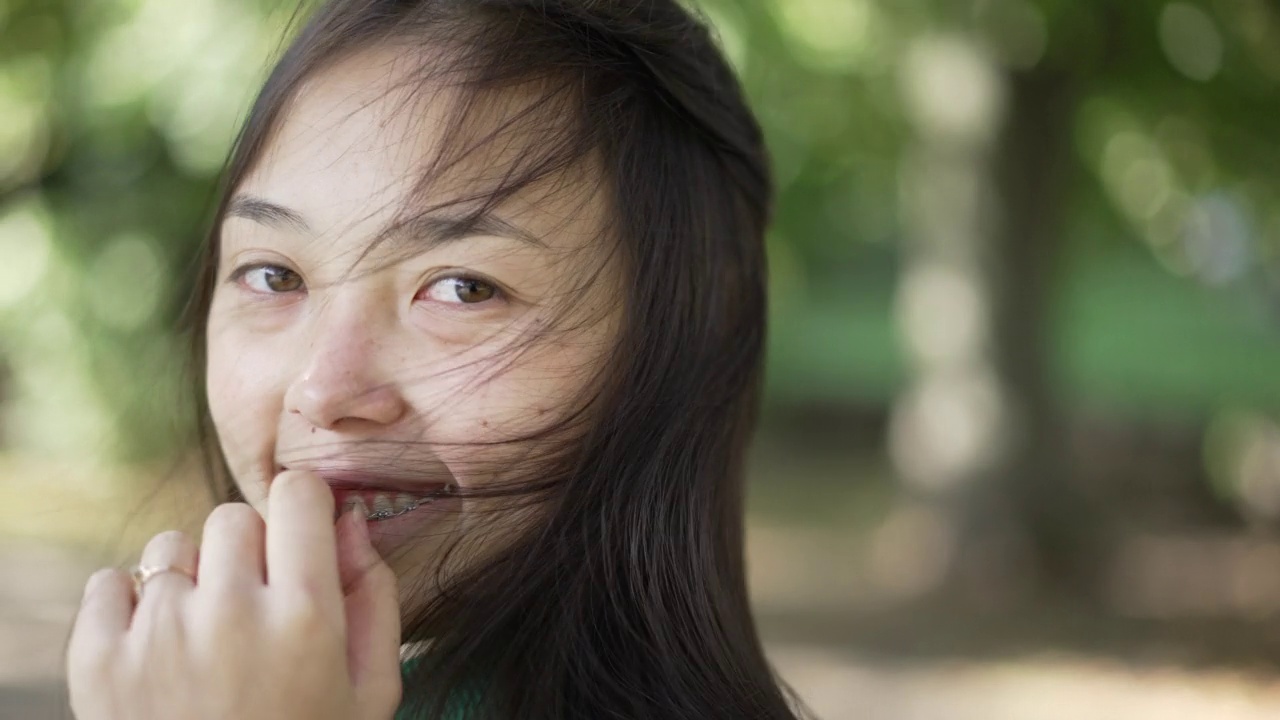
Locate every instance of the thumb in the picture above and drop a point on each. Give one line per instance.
(371, 601)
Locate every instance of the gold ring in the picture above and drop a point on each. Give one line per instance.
(142, 573)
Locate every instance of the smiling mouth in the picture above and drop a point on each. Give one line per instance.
(383, 498)
(384, 504)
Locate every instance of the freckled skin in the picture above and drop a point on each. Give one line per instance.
(391, 355)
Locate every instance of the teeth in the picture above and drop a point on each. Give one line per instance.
(381, 506)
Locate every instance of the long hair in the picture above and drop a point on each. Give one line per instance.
(627, 597)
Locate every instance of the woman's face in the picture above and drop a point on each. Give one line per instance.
(396, 372)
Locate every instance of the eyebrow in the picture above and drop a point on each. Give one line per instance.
(436, 228)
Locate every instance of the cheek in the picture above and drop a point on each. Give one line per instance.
(512, 398)
(243, 400)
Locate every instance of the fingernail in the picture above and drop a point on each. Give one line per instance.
(361, 511)
(347, 504)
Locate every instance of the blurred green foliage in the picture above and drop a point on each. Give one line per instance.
(115, 116)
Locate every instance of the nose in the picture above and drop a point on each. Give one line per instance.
(340, 385)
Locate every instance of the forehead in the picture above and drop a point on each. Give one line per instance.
(363, 140)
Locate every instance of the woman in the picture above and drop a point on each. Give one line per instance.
(486, 284)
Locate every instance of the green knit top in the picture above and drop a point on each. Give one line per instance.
(456, 710)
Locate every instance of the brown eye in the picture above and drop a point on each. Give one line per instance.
(470, 290)
(272, 279)
(461, 290)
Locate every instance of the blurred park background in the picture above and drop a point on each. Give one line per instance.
(1020, 456)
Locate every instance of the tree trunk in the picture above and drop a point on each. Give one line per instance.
(977, 437)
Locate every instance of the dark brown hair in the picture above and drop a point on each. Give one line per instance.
(627, 599)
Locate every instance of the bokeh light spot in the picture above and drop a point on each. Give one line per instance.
(1218, 238)
(1137, 175)
(952, 89)
(1191, 41)
(25, 85)
(124, 282)
(942, 313)
(26, 242)
(838, 35)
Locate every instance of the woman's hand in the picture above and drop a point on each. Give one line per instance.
(293, 619)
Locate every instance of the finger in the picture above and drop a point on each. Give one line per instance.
(168, 549)
(372, 610)
(232, 547)
(301, 548)
(106, 607)
(101, 623)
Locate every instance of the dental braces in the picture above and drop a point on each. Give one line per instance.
(425, 500)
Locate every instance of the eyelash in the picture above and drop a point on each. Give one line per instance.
(499, 294)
